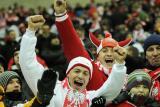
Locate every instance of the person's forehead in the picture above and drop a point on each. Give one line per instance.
(80, 68)
(139, 85)
(153, 46)
(17, 52)
(107, 47)
(14, 79)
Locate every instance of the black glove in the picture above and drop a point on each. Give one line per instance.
(98, 102)
(123, 96)
(151, 103)
(46, 86)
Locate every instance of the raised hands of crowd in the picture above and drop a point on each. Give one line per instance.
(60, 7)
(120, 54)
(35, 22)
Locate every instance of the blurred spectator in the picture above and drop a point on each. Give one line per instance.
(137, 91)
(13, 66)
(50, 50)
(10, 43)
(133, 59)
(2, 64)
(12, 85)
(139, 34)
(157, 26)
(152, 56)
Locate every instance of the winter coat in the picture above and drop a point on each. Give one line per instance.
(33, 70)
(73, 47)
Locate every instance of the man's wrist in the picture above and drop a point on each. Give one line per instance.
(60, 14)
(30, 32)
(62, 18)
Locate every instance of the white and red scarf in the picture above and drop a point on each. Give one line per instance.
(108, 71)
(155, 90)
(103, 69)
(74, 98)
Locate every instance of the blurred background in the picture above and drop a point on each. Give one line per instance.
(136, 19)
(45, 3)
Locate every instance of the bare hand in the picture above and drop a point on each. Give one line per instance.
(35, 22)
(120, 54)
(60, 6)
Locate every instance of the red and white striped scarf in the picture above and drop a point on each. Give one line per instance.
(103, 69)
(155, 90)
(74, 98)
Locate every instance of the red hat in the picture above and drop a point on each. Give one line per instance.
(80, 61)
(108, 41)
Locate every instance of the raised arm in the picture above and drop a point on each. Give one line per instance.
(31, 69)
(72, 44)
(113, 85)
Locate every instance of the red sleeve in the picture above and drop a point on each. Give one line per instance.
(41, 61)
(97, 80)
(10, 63)
(71, 43)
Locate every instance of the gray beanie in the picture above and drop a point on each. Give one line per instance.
(138, 76)
(6, 76)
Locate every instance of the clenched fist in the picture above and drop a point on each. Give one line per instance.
(35, 22)
(120, 54)
(60, 6)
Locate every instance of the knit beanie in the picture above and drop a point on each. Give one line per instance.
(80, 61)
(154, 39)
(137, 77)
(6, 76)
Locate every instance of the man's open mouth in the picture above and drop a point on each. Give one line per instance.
(78, 83)
(108, 60)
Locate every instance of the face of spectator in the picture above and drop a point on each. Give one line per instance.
(1, 68)
(12, 35)
(13, 85)
(16, 57)
(157, 25)
(46, 29)
(80, 34)
(100, 36)
(55, 41)
(153, 55)
(105, 57)
(138, 27)
(140, 90)
(78, 77)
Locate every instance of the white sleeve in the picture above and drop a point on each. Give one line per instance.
(31, 69)
(113, 85)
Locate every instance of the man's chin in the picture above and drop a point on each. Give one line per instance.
(108, 65)
(155, 64)
(79, 88)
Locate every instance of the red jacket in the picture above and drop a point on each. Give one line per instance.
(40, 60)
(155, 90)
(73, 47)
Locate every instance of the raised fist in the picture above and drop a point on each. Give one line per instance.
(120, 54)
(35, 22)
(59, 6)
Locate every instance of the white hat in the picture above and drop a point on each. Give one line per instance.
(80, 61)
